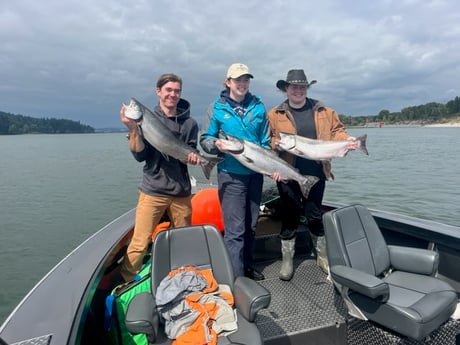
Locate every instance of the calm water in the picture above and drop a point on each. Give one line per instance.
(56, 190)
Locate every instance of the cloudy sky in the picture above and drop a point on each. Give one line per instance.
(80, 59)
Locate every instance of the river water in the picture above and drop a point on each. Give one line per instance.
(56, 190)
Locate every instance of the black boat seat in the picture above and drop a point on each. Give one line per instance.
(395, 287)
(201, 246)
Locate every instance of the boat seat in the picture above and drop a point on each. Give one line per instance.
(201, 246)
(395, 287)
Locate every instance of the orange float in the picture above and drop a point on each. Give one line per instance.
(206, 208)
(160, 227)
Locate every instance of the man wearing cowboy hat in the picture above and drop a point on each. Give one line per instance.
(309, 118)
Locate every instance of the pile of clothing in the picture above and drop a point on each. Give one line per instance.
(195, 308)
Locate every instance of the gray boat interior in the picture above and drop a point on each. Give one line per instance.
(308, 309)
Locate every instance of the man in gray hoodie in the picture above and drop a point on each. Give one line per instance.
(165, 185)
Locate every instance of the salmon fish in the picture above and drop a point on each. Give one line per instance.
(319, 149)
(266, 162)
(161, 137)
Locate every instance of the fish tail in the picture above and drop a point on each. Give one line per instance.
(362, 143)
(208, 164)
(307, 183)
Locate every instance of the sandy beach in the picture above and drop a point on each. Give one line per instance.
(411, 124)
(450, 124)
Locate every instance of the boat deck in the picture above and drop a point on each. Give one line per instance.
(305, 310)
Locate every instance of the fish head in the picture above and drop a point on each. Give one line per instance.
(287, 141)
(232, 144)
(133, 110)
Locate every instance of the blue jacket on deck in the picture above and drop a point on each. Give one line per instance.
(223, 119)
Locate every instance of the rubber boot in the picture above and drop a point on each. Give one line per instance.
(287, 266)
(319, 245)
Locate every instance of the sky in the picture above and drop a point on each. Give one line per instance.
(81, 59)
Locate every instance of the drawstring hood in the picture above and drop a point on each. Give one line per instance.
(238, 107)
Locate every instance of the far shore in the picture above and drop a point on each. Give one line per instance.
(413, 124)
(451, 124)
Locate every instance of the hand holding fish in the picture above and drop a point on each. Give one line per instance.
(277, 142)
(221, 146)
(352, 143)
(128, 122)
(193, 158)
(276, 176)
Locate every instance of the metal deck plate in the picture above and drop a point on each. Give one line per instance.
(361, 332)
(301, 306)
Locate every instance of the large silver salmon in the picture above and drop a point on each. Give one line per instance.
(266, 161)
(319, 149)
(161, 137)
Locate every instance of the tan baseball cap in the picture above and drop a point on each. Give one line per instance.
(236, 70)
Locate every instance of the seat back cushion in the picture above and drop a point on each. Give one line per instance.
(354, 239)
(201, 246)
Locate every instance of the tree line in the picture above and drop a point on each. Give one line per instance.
(19, 124)
(421, 114)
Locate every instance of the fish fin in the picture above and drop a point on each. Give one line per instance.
(362, 143)
(307, 183)
(208, 164)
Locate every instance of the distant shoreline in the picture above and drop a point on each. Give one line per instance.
(409, 125)
(451, 124)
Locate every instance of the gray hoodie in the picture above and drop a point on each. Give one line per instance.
(167, 175)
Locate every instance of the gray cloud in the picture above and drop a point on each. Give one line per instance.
(81, 59)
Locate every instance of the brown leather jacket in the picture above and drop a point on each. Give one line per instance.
(327, 123)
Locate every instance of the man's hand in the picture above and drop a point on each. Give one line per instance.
(193, 158)
(130, 123)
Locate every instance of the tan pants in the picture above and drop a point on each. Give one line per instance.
(149, 211)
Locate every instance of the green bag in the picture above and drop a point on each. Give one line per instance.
(117, 303)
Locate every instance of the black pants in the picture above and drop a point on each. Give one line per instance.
(293, 205)
(240, 197)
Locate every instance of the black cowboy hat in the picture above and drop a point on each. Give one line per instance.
(295, 77)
